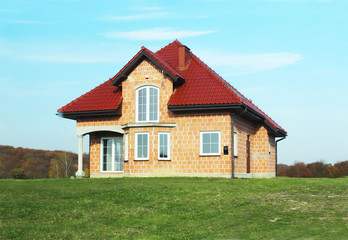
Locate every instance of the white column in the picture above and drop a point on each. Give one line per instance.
(80, 173)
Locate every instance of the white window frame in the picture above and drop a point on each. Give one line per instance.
(147, 117)
(136, 146)
(168, 145)
(235, 143)
(201, 144)
(112, 155)
(126, 147)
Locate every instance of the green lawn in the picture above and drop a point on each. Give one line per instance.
(174, 208)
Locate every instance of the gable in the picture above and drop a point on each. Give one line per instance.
(145, 54)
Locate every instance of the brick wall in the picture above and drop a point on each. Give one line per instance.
(185, 137)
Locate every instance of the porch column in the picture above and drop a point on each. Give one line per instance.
(80, 173)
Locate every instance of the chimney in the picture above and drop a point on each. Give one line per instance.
(183, 57)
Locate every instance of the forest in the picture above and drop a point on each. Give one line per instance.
(32, 163)
(318, 169)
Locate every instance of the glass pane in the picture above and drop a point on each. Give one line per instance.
(107, 154)
(142, 105)
(206, 138)
(214, 148)
(214, 137)
(144, 146)
(153, 104)
(206, 148)
(118, 154)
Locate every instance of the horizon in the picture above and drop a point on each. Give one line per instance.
(288, 56)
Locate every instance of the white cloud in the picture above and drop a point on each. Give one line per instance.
(239, 64)
(156, 34)
(135, 17)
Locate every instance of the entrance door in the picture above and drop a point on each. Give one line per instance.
(112, 154)
(118, 154)
(248, 153)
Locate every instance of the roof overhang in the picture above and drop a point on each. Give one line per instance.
(142, 55)
(88, 114)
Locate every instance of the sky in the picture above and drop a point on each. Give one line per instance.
(290, 57)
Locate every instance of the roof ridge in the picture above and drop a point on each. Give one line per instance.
(176, 41)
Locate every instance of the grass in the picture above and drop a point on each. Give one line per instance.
(174, 208)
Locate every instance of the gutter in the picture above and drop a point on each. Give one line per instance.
(276, 155)
(232, 130)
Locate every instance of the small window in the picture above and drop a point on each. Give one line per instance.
(210, 143)
(147, 104)
(141, 146)
(164, 146)
(235, 142)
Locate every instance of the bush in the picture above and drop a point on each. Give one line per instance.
(17, 173)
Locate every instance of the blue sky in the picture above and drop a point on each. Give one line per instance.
(289, 56)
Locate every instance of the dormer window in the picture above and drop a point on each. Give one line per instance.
(147, 101)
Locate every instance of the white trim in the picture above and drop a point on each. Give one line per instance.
(136, 146)
(126, 146)
(168, 145)
(90, 129)
(147, 113)
(201, 143)
(151, 124)
(235, 143)
(112, 155)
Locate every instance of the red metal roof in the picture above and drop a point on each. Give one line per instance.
(202, 86)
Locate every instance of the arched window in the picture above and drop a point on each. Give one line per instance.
(147, 100)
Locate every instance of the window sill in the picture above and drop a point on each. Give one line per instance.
(168, 160)
(139, 160)
(111, 171)
(210, 155)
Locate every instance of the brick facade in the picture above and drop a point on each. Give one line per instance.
(185, 136)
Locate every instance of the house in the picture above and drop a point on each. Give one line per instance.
(169, 114)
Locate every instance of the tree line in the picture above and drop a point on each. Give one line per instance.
(32, 163)
(314, 170)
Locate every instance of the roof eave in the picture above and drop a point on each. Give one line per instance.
(87, 114)
(202, 107)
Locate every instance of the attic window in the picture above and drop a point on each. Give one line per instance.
(147, 104)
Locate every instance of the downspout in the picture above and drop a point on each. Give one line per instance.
(276, 155)
(232, 129)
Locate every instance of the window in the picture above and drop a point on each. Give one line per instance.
(141, 146)
(235, 142)
(210, 143)
(164, 146)
(111, 154)
(147, 99)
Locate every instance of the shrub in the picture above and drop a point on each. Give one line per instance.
(17, 173)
